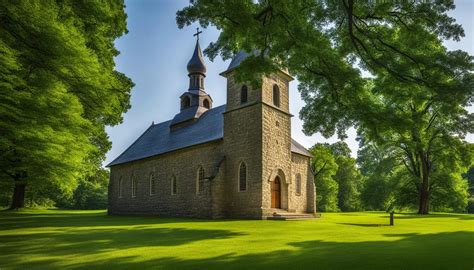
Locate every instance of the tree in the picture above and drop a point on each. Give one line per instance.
(58, 90)
(377, 165)
(91, 192)
(349, 181)
(417, 100)
(348, 177)
(324, 168)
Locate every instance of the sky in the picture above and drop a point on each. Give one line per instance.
(155, 52)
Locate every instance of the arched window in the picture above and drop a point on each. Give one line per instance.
(200, 180)
(202, 82)
(120, 185)
(206, 104)
(298, 184)
(242, 177)
(185, 102)
(243, 94)
(276, 95)
(173, 185)
(152, 184)
(134, 186)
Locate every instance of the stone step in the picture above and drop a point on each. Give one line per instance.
(280, 215)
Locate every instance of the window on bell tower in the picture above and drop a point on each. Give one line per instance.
(185, 102)
(205, 103)
(276, 95)
(243, 94)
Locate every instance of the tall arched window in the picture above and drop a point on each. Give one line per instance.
(242, 177)
(200, 180)
(120, 187)
(243, 94)
(298, 184)
(134, 186)
(152, 184)
(206, 104)
(185, 102)
(276, 95)
(173, 185)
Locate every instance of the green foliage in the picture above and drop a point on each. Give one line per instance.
(469, 176)
(91, 193)
(389, 185)
(325, 168)
(416, 101)
(349, 181)
(58, 90)
(470, 205)
(338, 181)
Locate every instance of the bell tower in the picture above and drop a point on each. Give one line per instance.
(195, 101)
(257, 131)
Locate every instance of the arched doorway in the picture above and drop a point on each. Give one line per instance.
(276, 197)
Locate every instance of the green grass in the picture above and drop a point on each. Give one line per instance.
(56, 239)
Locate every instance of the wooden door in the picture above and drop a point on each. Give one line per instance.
(276, 193)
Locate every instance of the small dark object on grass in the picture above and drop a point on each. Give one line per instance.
(391, 218)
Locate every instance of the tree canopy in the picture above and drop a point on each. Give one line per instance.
(58, 90)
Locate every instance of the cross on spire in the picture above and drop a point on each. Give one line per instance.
(197, 33)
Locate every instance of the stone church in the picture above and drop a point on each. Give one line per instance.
(236, 160)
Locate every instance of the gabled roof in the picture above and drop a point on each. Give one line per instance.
(299, 149)
(160, 139)
(241, 56)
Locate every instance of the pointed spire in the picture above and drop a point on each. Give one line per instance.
(196, 63)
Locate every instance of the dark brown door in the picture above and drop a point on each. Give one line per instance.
(276, 193)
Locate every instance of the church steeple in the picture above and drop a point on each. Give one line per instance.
(196, 67)
(195, 101)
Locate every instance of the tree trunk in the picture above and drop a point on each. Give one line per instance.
(424, 191)
(18, 199)
(424, 204)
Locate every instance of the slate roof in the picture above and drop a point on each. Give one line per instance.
(159, 138)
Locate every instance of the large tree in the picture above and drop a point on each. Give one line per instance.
(58, 90)
(419, 90)
(324, 168)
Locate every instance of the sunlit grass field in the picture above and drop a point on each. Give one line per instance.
(56, 239)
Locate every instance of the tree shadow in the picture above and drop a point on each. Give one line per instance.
(11, 220)
(364, 224)
(413, 251)
(435, 215)
(97, 241)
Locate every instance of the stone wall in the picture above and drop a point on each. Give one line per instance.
(276, 143)
(182, 164)
(300, 165)
(243, 143)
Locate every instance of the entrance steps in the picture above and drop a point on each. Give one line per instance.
(284, 215)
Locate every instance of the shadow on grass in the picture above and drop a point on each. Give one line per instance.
(412, 251)
(449, 250)
(365, 224)
(435, 215)
(13, 220)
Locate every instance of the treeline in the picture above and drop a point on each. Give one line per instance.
(376, 181)
(90, 193)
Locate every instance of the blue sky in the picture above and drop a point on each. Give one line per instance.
(154, 55)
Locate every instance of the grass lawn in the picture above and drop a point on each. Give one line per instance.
(56, 239)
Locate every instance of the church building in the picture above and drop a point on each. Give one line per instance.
(236, 160)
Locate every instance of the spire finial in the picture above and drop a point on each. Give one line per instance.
(197, 33)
